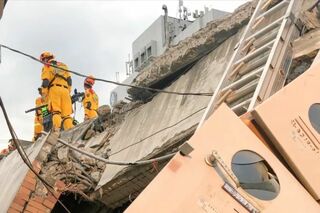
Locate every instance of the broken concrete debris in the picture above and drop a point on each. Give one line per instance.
(306, 47)
(80, 171)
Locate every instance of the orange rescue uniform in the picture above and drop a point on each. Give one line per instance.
(38, 120)
(59, 100)
(90, 103)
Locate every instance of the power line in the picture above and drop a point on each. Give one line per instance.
(157, 132)
(25, 157)
(108, 81)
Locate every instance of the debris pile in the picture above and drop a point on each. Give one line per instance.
(81, 173)
(306, 47)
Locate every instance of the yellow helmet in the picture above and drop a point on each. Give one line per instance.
(46, 55)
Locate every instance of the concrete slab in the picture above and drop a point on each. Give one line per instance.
(166, 110)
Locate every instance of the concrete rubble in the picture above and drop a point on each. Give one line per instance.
(79, 172)
(305, 47)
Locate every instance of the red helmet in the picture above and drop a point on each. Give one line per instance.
(89, 80)
(46, 55)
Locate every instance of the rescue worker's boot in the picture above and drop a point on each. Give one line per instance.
(37, 130)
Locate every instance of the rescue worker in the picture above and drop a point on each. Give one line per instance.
(90, 101)
(57, 84)
(38, 120)
(11, 147)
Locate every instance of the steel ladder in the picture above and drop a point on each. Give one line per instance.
(261, 59)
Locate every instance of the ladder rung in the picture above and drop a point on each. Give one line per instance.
(266, 4)
(256, 52)
(243, 80)
(243, 91)
(223, 97)
(274, 9)
(236, 70)
(266, 29)
(254, 65)
(241, 105)
(264, 39)
(257, 23)
(247, 46)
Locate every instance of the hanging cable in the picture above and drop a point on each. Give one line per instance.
(108, 81)
(25, 157)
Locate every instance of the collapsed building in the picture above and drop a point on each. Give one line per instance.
(152, 125)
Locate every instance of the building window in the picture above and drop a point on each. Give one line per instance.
(255, 175)
(143, 57)
(149, 52)
(136, 62)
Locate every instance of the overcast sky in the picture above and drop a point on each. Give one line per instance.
(92, 37)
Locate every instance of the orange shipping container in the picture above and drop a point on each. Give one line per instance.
(291, 118)
(245, 177)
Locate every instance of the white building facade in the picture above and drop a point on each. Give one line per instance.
(162, 33)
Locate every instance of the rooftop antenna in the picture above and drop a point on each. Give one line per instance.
(180, 8)
(185, 13)
(206, 9)
(129, 66)
(196, 14)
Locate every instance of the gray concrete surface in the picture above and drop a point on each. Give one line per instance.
(165, 110)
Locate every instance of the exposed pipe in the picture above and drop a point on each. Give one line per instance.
(166, 28)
